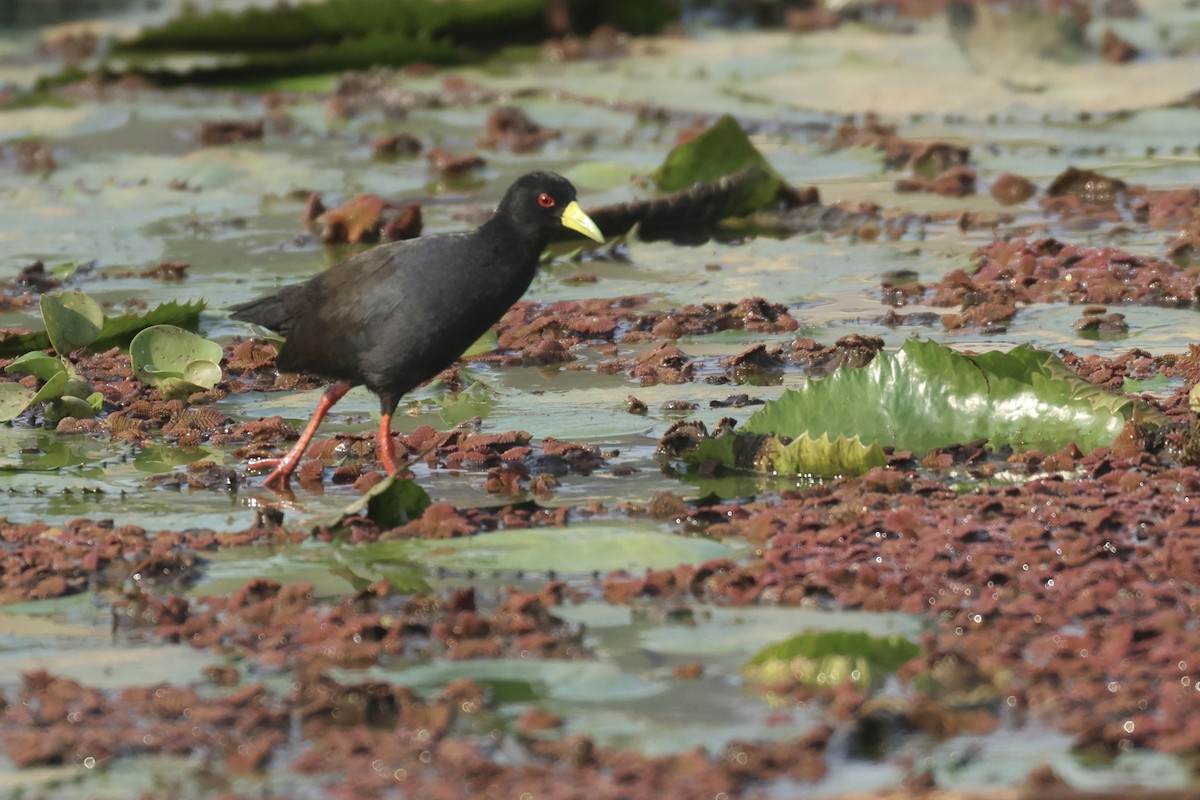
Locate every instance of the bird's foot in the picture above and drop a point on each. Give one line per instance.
(281, 472)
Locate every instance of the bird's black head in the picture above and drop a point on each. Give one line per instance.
(544, 201)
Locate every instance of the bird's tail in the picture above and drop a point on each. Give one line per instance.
(271, 312)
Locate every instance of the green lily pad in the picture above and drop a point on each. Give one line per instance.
(722, 150)
(73, 320)
(924, 397)
(120, 331)
(827, 658)
(116, 331)
(392, 501)
(40, 364)
(175, 361)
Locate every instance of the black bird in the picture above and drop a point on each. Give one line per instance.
(393, 317)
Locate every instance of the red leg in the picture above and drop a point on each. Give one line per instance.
(284, 467)
(385, 445)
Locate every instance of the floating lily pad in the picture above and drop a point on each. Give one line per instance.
(175, 361)
(827, 658)
(924, 397)
(73, 320)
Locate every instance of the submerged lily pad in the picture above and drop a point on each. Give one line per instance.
(175, 361)
(924, 397)
(584, 548)
(827, 658)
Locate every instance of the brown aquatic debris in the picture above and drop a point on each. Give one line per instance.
(1009, 189)
(449, 165)
(395, 144)
(167, 271)
(511, 127)
(1116, 50)
(1091, 187)
(230, 132)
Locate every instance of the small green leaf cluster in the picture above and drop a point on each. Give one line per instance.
(174, 361)
(828, 658)
(73, 320)
(165, 356)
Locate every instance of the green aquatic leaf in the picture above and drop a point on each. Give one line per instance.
(927, 396)
(484, 344)
(14, 399)
(331, 36)
(827, 658)
(12, 344)
(405, 576)
(65, 406)
(392, 501)
(120, 331)
(803, 455)
(73, 320)
(921, 398)
(721, 151)
(39, 364)
(51, 389)
(116, 331)
(477, 400)
(576, 549)
(175, 361)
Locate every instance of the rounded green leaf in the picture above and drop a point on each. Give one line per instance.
(43, 366)
(203, 373)
(68, 406)
(52, 388)
(14, 398)
(73, 320)
(77, 386)
(175, 361)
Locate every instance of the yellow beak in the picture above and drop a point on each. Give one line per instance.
(574, 218)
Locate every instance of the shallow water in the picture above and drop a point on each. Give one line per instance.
(110, 206)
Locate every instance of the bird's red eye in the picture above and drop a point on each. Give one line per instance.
(545, 200)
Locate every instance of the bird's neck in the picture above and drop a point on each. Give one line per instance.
(517, 247)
